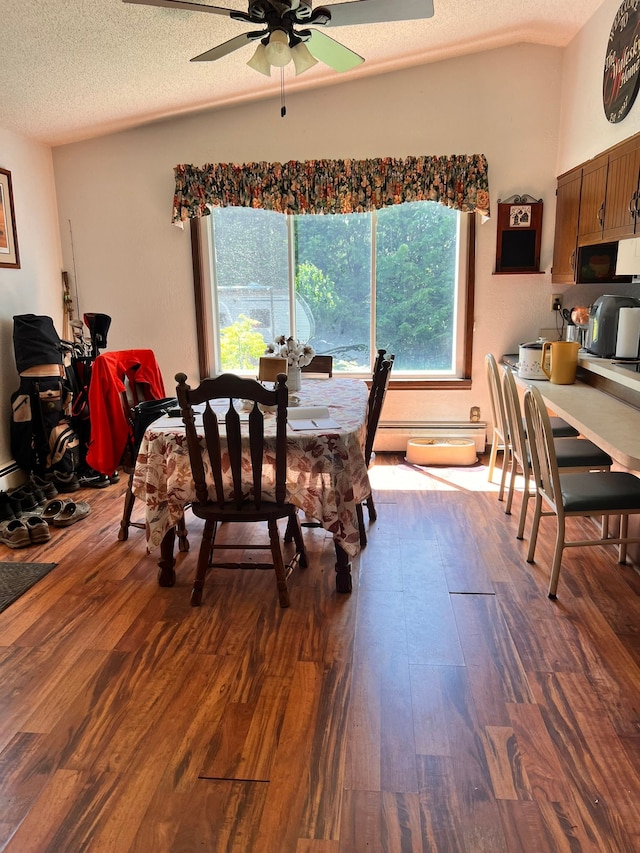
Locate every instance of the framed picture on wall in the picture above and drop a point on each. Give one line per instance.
(520, 216)
(9, 255)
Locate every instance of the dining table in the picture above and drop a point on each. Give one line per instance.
(326, 471)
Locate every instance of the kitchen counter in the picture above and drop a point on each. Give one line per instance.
(624, 375)
(611, 423)
(607, 368)
(605, 374)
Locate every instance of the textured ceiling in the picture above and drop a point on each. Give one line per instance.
(72, 69)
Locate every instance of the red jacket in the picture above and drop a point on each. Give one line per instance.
(110, 428)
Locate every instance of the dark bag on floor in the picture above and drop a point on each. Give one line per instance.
(43, 438)
(35, 341)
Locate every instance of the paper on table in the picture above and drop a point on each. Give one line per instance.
(167, 422)
(311, 418)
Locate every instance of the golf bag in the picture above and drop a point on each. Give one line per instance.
(79, 373)
(43, 438)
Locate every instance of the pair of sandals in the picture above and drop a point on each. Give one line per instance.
(62, 512)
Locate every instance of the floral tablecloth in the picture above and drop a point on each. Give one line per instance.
(326, 472)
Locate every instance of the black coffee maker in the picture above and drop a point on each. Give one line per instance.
(603, 323)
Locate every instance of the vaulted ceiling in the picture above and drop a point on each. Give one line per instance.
(72, 69)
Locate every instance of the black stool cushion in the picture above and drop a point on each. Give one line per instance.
(580, 453)
(600, 491)
(561, 429)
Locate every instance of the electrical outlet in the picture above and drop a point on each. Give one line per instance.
(556, 301)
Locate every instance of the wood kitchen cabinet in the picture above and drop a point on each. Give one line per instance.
(597, 202)
(592, 201)
(565, 241)
(621, 207)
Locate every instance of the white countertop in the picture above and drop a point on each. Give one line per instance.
(610, 423)
(607, 368)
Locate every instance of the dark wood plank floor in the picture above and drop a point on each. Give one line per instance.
(445, 705)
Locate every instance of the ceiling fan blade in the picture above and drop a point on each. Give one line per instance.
(227, 47)
(191, 7)
(378, 12)
(331, 52)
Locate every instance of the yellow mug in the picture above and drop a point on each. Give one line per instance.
(563, 362)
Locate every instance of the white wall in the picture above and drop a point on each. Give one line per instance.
(35, 288)
(131, 263)
(584, 128)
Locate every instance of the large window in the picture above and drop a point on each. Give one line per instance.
(394, 278)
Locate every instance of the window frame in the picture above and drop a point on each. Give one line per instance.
(204, 312)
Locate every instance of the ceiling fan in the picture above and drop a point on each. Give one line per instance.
(280, 40)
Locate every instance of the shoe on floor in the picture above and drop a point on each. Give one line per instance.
(89, 478)
(14, 533)
(7, 512)
(30, 488)
(65, 482)
(53, 508)
(17, 506)
(93, 481)
(46, 486)
(26, 500)
(38, 529)
(71, 512)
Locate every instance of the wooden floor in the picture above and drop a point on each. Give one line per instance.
(445, 705)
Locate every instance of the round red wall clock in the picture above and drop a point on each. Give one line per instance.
(621, 75)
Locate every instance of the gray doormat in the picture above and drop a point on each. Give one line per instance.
(17, 578)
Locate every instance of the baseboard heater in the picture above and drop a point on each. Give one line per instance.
(6, 471)
(11, 468)
(392, 436)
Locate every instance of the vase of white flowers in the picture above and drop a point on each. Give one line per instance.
(297, 354)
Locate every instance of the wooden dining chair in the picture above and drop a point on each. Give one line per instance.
(125, 394)
(243, 499)
(572, 454)
(140, 414)
(322, 364)
(570, 495)
(377, 393)
(380, 355)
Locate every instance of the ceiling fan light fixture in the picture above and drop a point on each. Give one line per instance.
(302, 58)
(278, 52)
(259, 61)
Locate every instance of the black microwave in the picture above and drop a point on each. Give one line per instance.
(597, 265)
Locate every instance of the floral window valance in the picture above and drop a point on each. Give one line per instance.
(333, 186)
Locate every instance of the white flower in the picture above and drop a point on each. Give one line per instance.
(296, 353)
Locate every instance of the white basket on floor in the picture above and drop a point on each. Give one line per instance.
(441, 451)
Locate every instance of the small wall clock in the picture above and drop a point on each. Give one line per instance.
(621, 75)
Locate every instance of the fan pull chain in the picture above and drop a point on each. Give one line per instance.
(283, 109)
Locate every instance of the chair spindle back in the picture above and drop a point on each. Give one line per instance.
(377, 394)
(229, 387)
